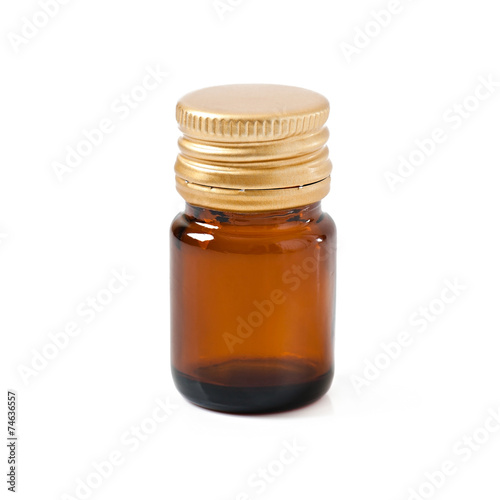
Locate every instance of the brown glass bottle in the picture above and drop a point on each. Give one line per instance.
(252, 275)
(253, 307)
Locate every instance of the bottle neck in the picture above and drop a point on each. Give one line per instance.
(283, 218)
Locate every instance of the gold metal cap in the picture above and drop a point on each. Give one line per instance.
(252, 148)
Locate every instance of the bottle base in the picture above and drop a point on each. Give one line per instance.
(253, 387)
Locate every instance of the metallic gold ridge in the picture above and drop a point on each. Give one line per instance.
(196, 125)
(253, 200)
(254, 151)
(292, 172)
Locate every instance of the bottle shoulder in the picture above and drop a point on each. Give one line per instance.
(287, 235)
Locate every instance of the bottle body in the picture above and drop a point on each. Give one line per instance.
(253, 307)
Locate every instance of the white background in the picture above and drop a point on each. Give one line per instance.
(60, 242)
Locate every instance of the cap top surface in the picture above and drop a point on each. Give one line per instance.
(251, 112)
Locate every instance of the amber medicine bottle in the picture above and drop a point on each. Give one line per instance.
(253, 255)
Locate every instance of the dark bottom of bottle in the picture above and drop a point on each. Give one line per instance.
(250, 387)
